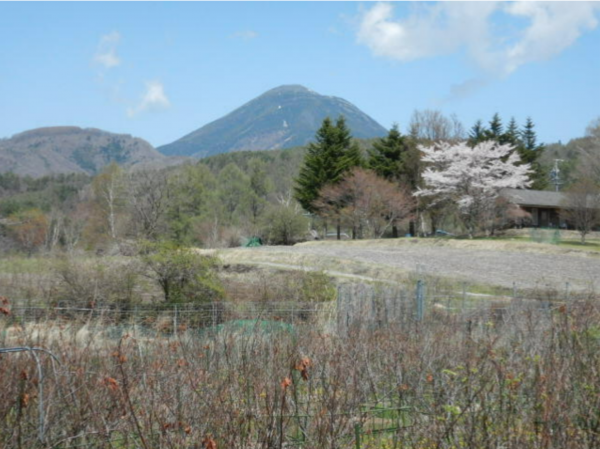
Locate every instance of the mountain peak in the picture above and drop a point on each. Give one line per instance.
(284, 117)
(289, 88)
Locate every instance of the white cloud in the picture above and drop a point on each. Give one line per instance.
(154, 99)
(449, 27)
(245, 35)
(106, 53)
(554, 27)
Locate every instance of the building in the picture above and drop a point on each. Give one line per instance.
(543, 206)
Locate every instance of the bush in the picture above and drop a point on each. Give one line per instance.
(182, 274)
(97, 283)
(316, 286)
(285, 225)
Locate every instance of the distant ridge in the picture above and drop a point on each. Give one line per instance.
(284, 117)
(70, 149)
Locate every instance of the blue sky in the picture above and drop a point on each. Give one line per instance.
(161, 70)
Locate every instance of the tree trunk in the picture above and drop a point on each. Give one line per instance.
(434, 226)
(339, 230)
(471, 232)
(395, 231)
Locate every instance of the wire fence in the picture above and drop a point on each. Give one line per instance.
(172, 320)
(369, 307)
(357, 307)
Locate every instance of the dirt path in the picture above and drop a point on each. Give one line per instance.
(482, 266)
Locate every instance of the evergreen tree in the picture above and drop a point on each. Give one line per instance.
(326, 161)
(495, 130)
(478, 133)
(528, 136)
(524, 141)
(386, 156)
(511, 135)
(530, 151)
(351, 156)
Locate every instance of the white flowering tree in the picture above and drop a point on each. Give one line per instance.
(472, 177)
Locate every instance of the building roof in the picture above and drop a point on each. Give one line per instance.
(538, 198)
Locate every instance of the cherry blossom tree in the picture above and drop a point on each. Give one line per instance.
(472, 177)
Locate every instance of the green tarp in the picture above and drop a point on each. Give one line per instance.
(253, 242)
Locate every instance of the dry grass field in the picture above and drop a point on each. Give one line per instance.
(495, 263)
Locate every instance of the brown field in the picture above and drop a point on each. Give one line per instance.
(478, 262)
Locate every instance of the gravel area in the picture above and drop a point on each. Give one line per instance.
(501, 268)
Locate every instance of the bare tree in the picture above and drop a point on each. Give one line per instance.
(582, 199)
(365, 202)
(589, 159)
(108, 189)
(73, 226)
(434, 126)
(29, 228)
(149, 193)
(582, 206)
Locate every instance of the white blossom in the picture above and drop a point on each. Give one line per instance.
(472, 177)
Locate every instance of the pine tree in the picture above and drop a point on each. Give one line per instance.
(528, 136)
(478, 133)
(349, 150)
(496, 129)
(386, 156)
(511, 135)
(326, 161)
(530, 151)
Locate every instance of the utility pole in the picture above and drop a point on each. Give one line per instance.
(555, 175)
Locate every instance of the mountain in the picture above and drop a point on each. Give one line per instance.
(69, 149)
(283, 117)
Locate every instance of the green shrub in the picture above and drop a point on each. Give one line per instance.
(316, 286)
(183, 275)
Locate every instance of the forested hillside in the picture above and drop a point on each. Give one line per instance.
(225, 199)
(69, 149)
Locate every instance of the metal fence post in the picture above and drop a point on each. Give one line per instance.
(341, 319)
(357, 436)
(420, 299)
(175, 316)
(464, 298)
(214, 316)
(134, 319)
